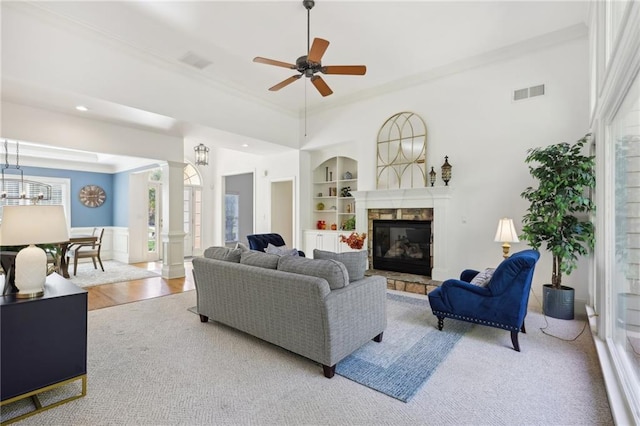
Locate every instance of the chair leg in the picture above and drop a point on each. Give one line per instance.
(75, 265)
(440, 323)
(522, 329)
(100, 260)
(93, 259)
(378, 338)
(514, 340)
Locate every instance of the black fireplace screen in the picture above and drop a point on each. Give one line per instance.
(402, 246)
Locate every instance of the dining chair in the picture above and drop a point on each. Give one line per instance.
(86, 250)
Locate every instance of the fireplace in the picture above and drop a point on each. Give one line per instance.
(402, 246)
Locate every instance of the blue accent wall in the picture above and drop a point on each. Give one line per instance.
(82, 216)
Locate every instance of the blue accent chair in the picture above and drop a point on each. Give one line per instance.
(502, 303)
(260, 242)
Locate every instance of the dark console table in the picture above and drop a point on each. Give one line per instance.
(43, 343)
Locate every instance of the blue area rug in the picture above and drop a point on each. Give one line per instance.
(411, 349)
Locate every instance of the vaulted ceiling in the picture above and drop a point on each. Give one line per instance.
(399, 42)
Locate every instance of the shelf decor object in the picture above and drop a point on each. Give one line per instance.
(31, 225)
(202, 155)
(446, 171)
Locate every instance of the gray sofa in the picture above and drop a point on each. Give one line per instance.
(307, 306)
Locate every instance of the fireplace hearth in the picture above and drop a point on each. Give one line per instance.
(402, 246)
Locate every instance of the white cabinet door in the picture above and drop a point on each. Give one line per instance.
(320, 240)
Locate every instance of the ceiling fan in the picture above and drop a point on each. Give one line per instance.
(310, 65)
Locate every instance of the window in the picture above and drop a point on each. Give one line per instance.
(232, 217)
(60, 194)
(624, 292)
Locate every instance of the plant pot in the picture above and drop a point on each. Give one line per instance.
(558, 303)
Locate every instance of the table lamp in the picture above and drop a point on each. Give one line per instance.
(506, 234)
(30, 225)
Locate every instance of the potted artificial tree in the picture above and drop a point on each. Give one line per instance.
(558, 215)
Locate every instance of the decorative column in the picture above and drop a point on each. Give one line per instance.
(172, 218)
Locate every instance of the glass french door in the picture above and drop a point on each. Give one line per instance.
(192, 220)
(154, 223)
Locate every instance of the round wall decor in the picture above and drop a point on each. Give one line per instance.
(92, 196)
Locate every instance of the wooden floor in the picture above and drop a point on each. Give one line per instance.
(102, 296)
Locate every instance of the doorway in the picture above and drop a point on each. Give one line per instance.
(283, 210)
(238, 208)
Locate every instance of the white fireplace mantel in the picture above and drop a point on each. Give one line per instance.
(436, 198)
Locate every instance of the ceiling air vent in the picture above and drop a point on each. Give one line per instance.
(528, 92)
(195, 60)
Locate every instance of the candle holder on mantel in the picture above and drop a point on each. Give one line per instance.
(432, 176)
(446, 171)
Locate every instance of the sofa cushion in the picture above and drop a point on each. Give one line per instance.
(483, 278)
(280, 251)
(257, 258)
(354, 261)
(223, 253)
(331, 270)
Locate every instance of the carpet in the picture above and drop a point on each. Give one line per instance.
(411, 350)
(154, 363)
(114, 272)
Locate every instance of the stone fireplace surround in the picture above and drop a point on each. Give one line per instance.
(431, 203)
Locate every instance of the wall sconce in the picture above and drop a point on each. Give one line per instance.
(506, 234)
(432, 176)
(202, 155)
(446, 171)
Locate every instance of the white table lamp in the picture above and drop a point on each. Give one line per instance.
(506, 234)
(30, 225)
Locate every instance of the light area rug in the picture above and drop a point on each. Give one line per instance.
(154, 363)
(114, 272)
(411, 349)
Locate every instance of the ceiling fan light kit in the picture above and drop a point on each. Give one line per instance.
(310, 65)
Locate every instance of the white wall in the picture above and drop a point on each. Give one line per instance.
(225, 162)
(470, 117)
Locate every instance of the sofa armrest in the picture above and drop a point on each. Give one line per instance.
(355, 314)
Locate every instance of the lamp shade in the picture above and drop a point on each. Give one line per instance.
(23, 225)
(506, 232)
(30, 225)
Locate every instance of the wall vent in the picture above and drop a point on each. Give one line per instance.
(195, 60)
(528, 92)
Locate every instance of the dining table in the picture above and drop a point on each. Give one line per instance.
(64, 247)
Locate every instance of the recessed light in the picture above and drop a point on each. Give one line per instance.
(82, 108)
(244, 145)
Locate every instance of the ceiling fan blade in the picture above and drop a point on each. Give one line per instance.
(321, 85)
(285, 82)
(318, 48)
(344, 69)
(274, 62)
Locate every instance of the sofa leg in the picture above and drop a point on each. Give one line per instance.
(440, 323)
(329, 371)
(514, 340)
(378, 338)
(204, 318)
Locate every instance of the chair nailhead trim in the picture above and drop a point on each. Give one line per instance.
(477, 321)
